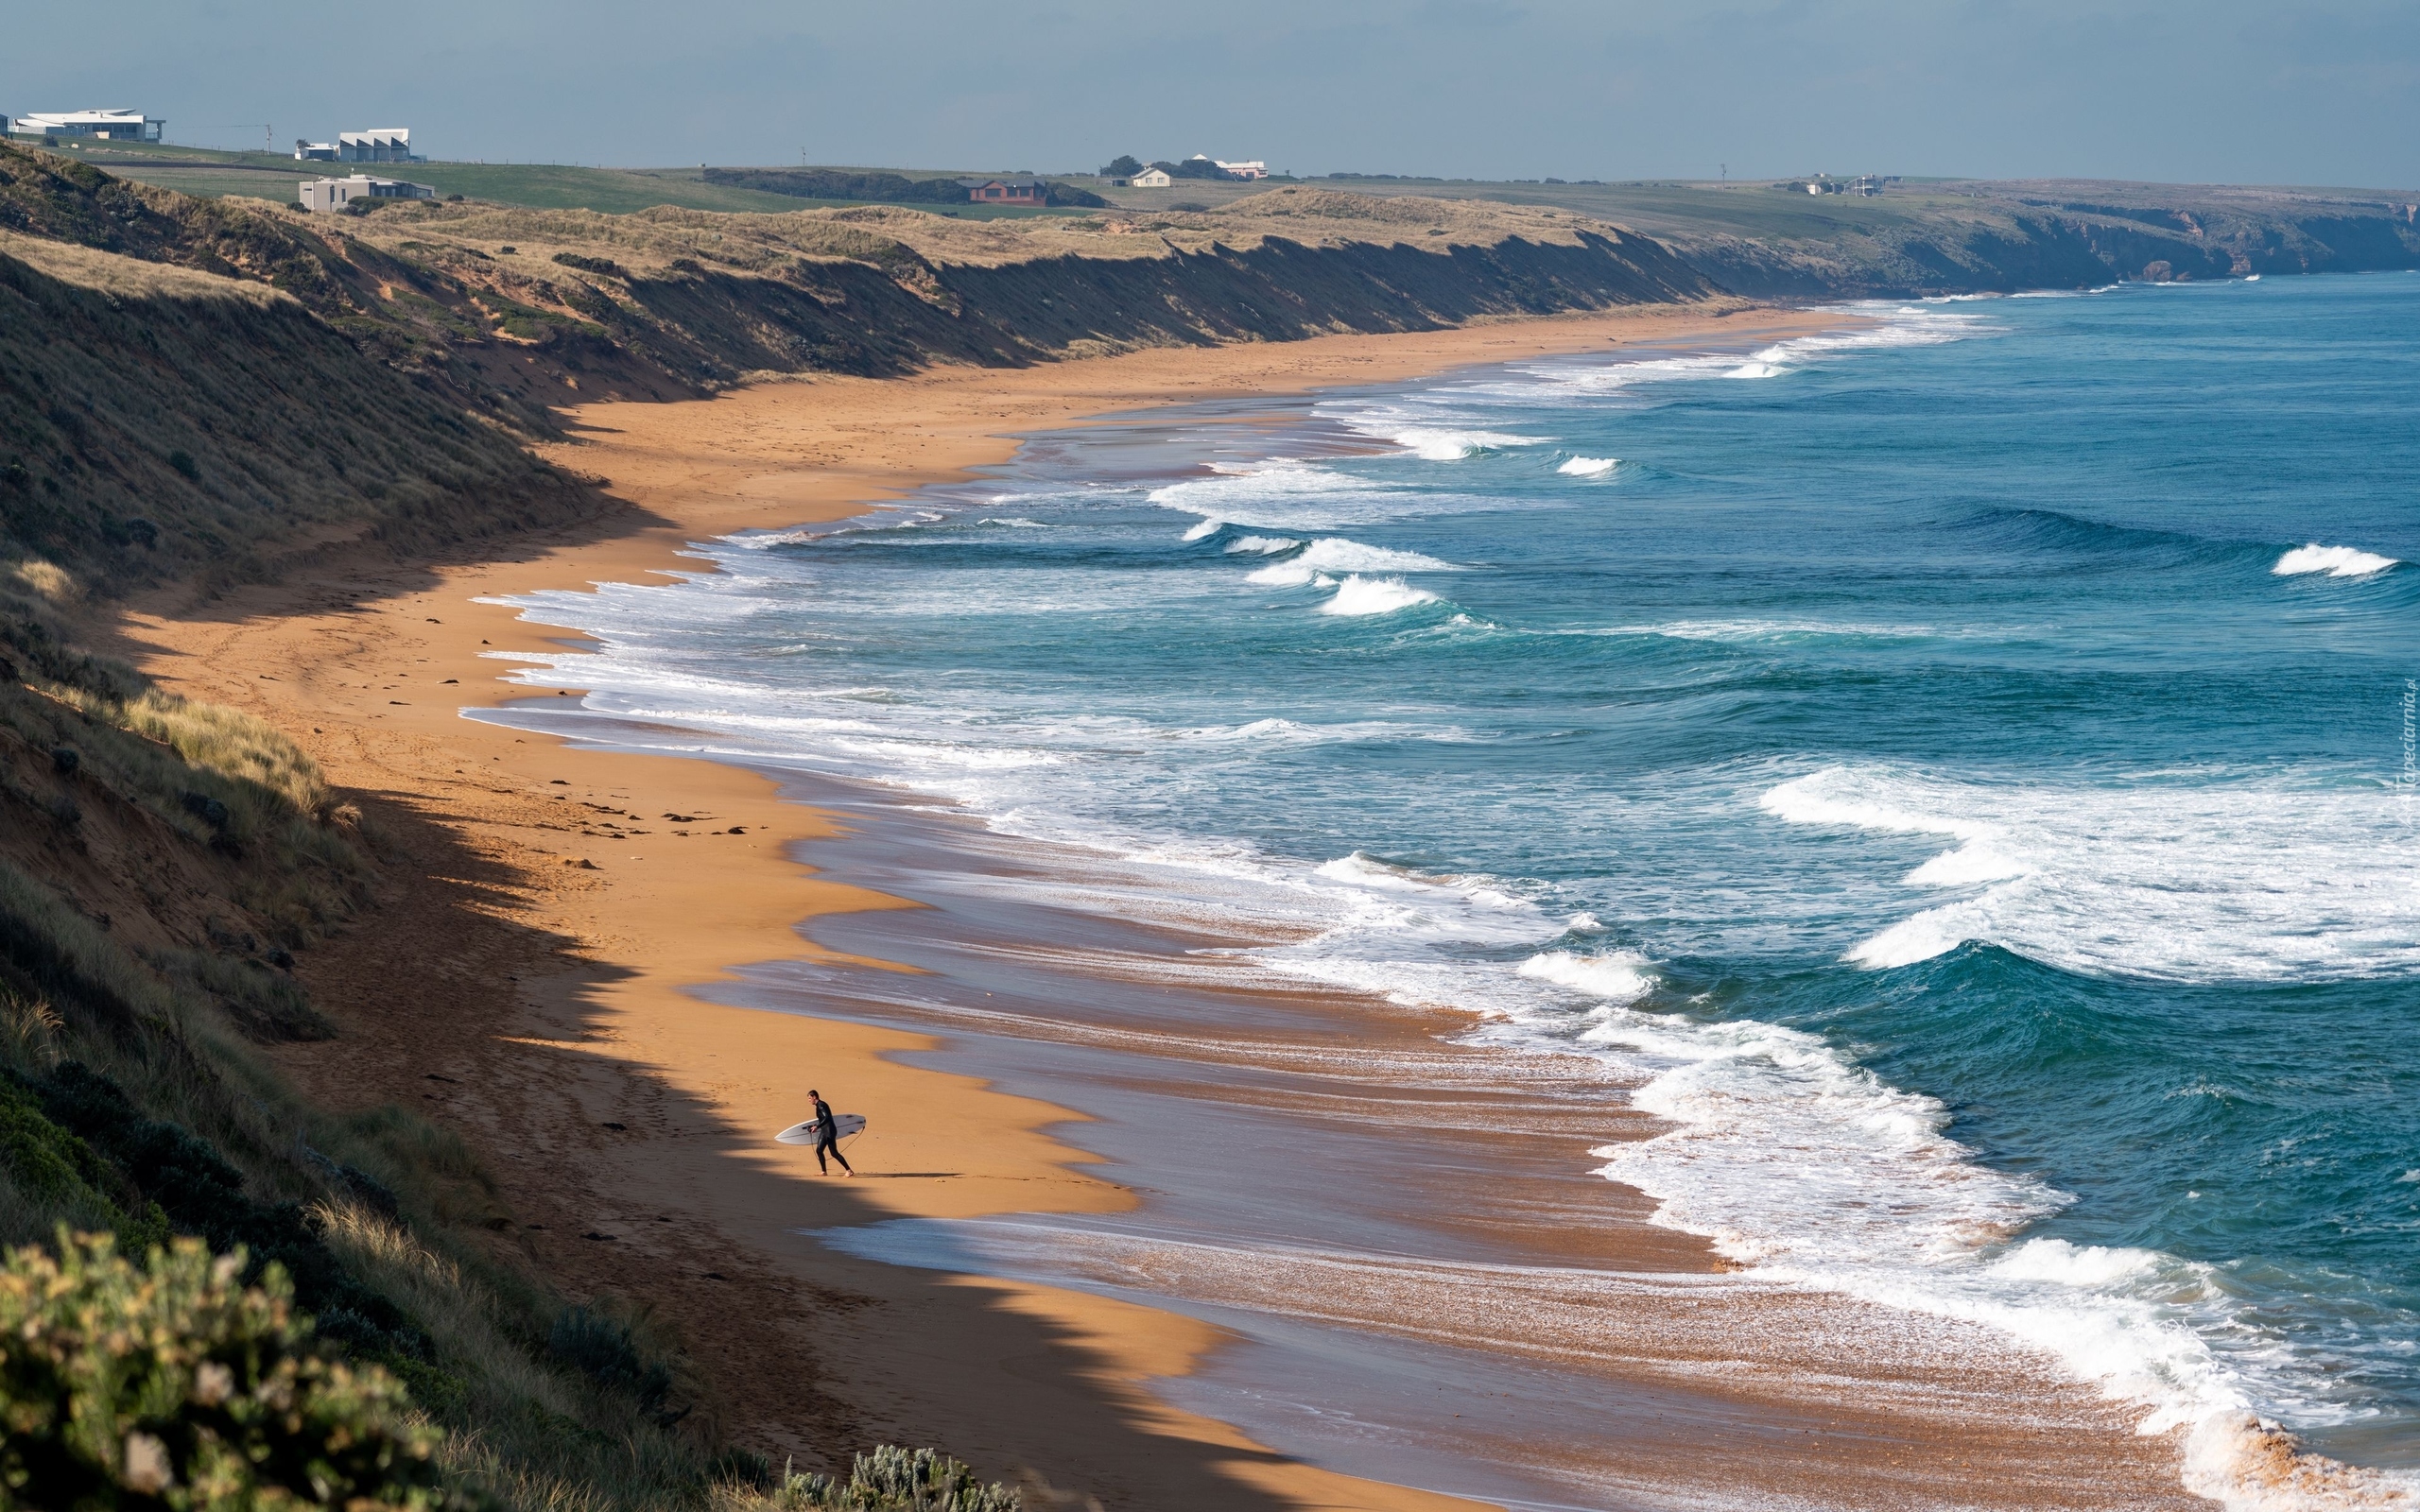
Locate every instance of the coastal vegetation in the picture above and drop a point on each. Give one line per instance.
(190, 1238)
(880, 188)
(1922, 237)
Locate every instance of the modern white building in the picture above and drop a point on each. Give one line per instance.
(335, 194)
(385, 143)
(1254, 169)
(314, 151)
(112, 125)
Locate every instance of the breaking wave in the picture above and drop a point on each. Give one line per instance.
(2336, 561)
(1358, 596)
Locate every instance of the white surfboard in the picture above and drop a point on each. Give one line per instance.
(846, 1123)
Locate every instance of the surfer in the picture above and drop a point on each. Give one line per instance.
(827, 1136)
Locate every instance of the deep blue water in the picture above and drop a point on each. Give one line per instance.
(1907, 753)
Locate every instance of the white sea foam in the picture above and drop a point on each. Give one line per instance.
(1620, 976)
(1336, 555)
(2070, 1264)
(1588, 466)
(2336, 561)
(2198, 882)
(1287, 495)
(1879, 324)
(1749, 631)
(882, 520)
(1415, 426)
(1014, 522)
(1330, 555)
(1453, 446)
(1296, 733)
(1359, 595)
(1260, 545)
(1809, 1169)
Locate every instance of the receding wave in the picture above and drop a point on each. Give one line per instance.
(2336, 561)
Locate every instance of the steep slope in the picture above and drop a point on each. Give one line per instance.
(1963, 236)
(157, 423)
(193, 386)
(2017, 237)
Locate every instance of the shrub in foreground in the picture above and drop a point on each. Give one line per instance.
(894, 1480)
(175, 1385)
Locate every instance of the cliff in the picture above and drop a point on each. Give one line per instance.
(208, 386)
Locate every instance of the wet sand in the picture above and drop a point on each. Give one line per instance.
(553, 973)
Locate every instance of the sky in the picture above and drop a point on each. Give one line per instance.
(2326, 91)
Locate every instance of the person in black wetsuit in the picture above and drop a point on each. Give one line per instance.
(827, 1136)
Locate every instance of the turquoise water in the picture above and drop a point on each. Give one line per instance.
(1933, 757)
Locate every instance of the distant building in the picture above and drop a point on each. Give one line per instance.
(1254, 169)
(335, 194)
(114, 125)
(1152, 178)
(1866, 184)
(1006, 191)
(385, 143)
(314, 151)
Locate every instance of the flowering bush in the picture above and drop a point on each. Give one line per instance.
(176, 1386)
(893, 1480)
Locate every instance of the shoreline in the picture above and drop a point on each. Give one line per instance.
(603, 1089)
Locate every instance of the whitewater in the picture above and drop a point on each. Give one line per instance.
(1946, 768)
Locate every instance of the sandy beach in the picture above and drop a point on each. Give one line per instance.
(533, 979)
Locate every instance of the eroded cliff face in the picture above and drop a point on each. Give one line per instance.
(2021, 244)
(156, 424)
(205, 389)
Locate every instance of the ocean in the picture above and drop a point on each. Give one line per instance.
(1955, 772)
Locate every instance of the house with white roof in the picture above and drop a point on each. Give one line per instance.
(108, 125)
(335, 194)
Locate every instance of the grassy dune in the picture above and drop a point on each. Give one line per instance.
(153, 882)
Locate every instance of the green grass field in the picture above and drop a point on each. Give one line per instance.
(1659, 206)
(536, 186)
(1754, 209)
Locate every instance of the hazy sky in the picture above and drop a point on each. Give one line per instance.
(2322, 92)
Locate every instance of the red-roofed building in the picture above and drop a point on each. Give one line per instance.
(1006, 191)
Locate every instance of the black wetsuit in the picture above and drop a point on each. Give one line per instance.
(827, 1136)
